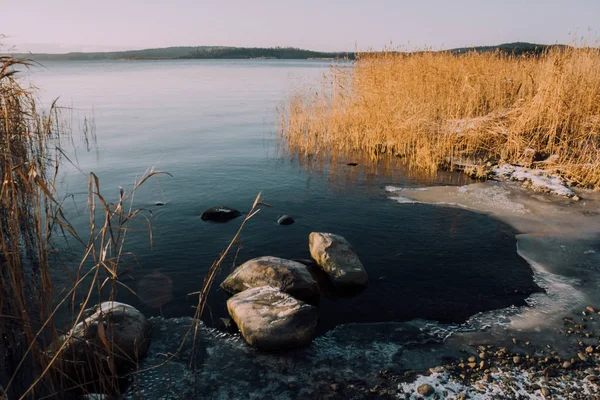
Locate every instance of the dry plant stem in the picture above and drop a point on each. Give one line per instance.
(214, 269)
(105, 248)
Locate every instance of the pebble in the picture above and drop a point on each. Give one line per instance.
(516, 359)
(582, 356)
(590, 309)
(425, 390)
(545, 392)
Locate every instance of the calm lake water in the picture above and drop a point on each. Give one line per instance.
(212, 125)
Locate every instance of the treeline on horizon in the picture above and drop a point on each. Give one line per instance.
(290, 53)
(222, 52)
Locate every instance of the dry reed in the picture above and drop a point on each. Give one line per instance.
(35, 361)
(437, 109)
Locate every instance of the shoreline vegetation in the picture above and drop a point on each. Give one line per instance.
(99, 349)
(467, 111)
(240, 53)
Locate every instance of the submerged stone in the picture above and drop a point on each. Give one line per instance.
(336, 256)
(220, 214)
(285, 220)
(270, 319)
(289, 276)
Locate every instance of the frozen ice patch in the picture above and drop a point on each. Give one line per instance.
(402, 200)
(539, 179)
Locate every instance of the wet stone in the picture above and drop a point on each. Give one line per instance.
(220, 214)
(425, 390)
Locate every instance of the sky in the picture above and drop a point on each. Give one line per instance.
(59, 26)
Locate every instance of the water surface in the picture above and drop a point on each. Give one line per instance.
(212, 125)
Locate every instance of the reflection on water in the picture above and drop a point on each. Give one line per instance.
(156, 289)
(212, 125)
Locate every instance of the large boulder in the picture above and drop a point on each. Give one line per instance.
(289, 276)
(112, 326)
(270, 319)
(336, 256)
(220, 214)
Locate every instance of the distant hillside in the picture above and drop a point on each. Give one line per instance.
(262, 52)
(162, 53)
(224, 52)
(189, 52)
(516, 48)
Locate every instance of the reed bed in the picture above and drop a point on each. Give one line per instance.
(439, 109)
(33, 344)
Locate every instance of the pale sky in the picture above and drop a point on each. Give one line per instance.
(59, 26)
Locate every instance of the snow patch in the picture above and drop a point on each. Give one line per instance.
(539, 179)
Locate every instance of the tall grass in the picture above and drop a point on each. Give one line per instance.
(437, 109)
(28, 144)
(36, 363)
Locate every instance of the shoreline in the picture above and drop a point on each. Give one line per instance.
(535, 370)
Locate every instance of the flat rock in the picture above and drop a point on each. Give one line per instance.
(289, 276)
(220, 214)
(337, 258)
(270, 319)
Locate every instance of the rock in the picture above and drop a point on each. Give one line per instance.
(115, 328)
(270, 319)
(545, 392)
(337, 258)
(582, 356)
(159, 203)
(425, 390)
(590, 309)
(220, 214)
(516, 359)
(289, 276)
(285, 220)
(352, 164)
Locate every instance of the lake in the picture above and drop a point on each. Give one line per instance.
(212, 125)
